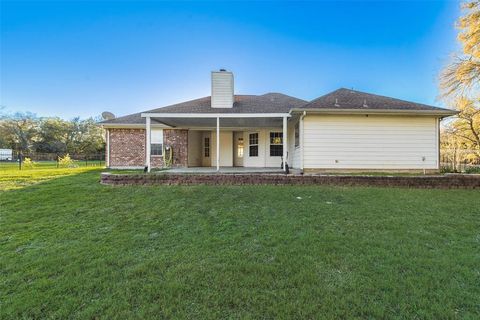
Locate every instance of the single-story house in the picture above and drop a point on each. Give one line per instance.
(345, 130)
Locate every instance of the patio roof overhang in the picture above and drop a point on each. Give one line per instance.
(209, 120)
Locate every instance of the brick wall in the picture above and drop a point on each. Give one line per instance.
(179, 140)
(430, 182)
(127, 147)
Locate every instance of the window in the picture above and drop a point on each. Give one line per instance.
(156, 149)
(240, 148)
(206, 147)
(297, 134)
(156, 145)
(253, 144)
(276, 144)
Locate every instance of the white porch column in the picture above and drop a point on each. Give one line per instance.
(300, 128)
(285, 145)
(218, 143)
(148, 143)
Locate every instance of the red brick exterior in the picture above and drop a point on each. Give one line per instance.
(429, 182)
(156, 161)
(127, 148)
(178, 139)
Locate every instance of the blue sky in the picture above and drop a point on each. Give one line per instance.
(80, 58)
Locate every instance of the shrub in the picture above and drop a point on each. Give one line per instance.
(472, 170)
(447, 169)
(28, 163)
(66, 162)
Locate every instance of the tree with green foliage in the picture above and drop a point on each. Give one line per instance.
(28, 133)
(51, 135)
(19, 131)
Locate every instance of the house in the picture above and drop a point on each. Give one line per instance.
(345, 130)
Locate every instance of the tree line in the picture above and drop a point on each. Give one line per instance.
(460, 89)
(27, 133)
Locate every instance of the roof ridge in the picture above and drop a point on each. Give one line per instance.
(324, 95)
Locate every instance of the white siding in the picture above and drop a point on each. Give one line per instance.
(226, 148)
(373, 142)
(222, 89)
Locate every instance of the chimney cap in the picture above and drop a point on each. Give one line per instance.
(223, 70)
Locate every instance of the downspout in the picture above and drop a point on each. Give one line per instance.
(148, 143)
(218, 144)
(107, 147)
(438, 144)
(300, 127)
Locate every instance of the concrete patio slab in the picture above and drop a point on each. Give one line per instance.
(213, 170)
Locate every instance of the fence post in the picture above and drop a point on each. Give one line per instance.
(57, 160)
(20, 161)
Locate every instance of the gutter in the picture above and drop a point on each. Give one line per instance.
(441, 113)
(132, 125)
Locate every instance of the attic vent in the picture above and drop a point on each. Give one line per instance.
(336, 103)
(365, 103)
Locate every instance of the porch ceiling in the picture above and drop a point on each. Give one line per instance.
(224, 122)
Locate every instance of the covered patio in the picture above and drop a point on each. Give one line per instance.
(216, 122)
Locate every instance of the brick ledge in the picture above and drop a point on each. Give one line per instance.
(448, 181)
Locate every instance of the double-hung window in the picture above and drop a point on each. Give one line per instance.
(253, 144)
(156, 142)
(276, 144)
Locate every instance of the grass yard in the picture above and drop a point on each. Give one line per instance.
(72, 248)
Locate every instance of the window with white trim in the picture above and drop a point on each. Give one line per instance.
(276, 144)
(253, 145)
(156, 145)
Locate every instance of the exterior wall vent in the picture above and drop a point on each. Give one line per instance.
(222, 89)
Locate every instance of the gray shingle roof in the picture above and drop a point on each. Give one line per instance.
(341, 99)
(351, 99)
(267, 103)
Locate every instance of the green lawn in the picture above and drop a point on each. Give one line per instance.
(72, 248)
